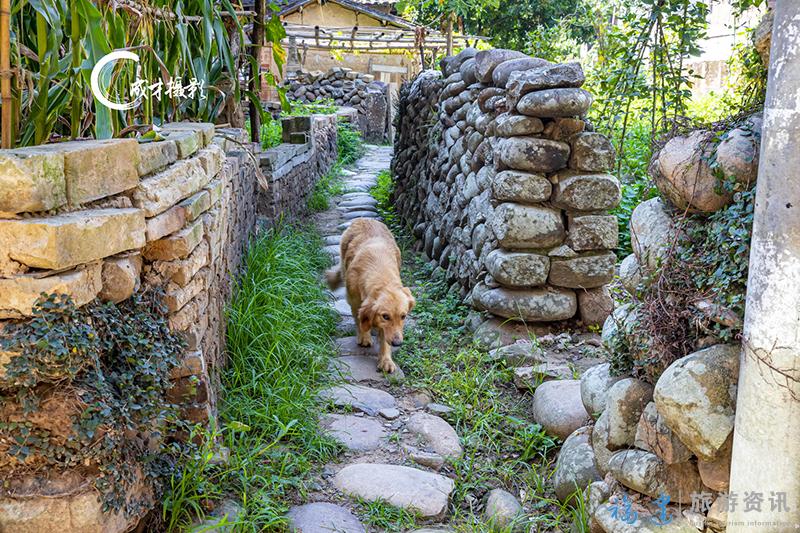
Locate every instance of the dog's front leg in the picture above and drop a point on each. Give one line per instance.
(363, 329)
(385, 363)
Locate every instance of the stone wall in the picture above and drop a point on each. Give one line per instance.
(290, 171)
(347, 88)
(507, 186)
(103, 219)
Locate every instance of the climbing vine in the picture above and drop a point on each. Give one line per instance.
(86, 387)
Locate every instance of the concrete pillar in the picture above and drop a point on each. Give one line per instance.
(766, 444)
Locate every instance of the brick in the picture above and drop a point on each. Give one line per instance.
(169, 221)
(195, 333)
(97, 169)
(214, 189)
(31, 179)
(192, 364)
(156, 155)
(207, 130)
(196, 205)
(68, 240)
(19, 294)
(188, 142)
(176, 296)
(190, 314)
(212, 159)
(161, 191)
(176, 246)
(180, 271)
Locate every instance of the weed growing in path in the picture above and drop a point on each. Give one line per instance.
(386, 517)
(279, 330)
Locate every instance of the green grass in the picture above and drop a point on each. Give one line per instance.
(279, 334)
(328, 186)
(349, 143)
(386, 517)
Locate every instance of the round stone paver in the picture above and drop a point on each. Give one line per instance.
(323, 518)
(359, 214)
(349, 346)
(364, 399)
(361, 368)
(439, 435)
(401, 486)
(356, 433)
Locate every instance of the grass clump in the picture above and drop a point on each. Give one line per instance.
(279, 342)
(385, 517)
(349, 143)
(329, 185)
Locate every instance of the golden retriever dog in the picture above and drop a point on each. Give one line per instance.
(370, 268)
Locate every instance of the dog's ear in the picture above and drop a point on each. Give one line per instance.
(366, 313)
(411, 300)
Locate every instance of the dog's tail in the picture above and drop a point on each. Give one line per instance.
(334, 277)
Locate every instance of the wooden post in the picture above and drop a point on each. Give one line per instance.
(7, 140)
(257, 39)
(450, 17)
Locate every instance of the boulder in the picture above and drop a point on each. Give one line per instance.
(31, 179)
(451, 64)
(604, 520)
(592, 152)
(549, 76)
(644, 472)
(520, 353)
(522, 187)
(518, 269)
(523, 227)
(592, 232)
(586, 271)
(626, 400)
(630, 275)
(503, 71)
(762, 36)
(467, 71)
(537, 305)
(586, 192)
(533, 155)
(595, 384)
(552, 103)
(737, 154)
(682, 173)
(595, 306)
(653, 435)
(575, 468)
(557, 407)
(602, 455)
(487, 60)
(652, 232)
(508, 125)
(503, 511)
(696, 395)
(716, 474)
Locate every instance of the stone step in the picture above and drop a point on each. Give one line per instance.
(437, 433)
(365, 399)
(364, 369)
(361, 214)
(342, 307)
(401, 486)
(356, 433)
(323, 517)
(349, 346)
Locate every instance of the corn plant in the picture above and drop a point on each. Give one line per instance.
(56, 43)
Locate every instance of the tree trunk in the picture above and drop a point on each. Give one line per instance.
(766, 444)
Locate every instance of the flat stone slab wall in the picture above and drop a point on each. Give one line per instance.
(347, 88)
(290, 171)
(507, 186)
(101, 219)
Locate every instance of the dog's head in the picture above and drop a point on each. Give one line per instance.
(387, 312)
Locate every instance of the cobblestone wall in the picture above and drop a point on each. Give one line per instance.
(347, 88)
(507, 186)
(103, 219)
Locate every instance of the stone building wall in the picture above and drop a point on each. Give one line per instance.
(347, 88)
(507, 186)
(103, 219)
(292, 170)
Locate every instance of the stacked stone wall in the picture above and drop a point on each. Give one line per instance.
(507, 186)
(347, 88)
(290, 171)
(104, 219)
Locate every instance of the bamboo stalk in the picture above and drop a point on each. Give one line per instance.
(7, 140)
(77, 86)
(255, 72)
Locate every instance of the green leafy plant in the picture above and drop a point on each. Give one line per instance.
(111, 364)
(349, 143)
